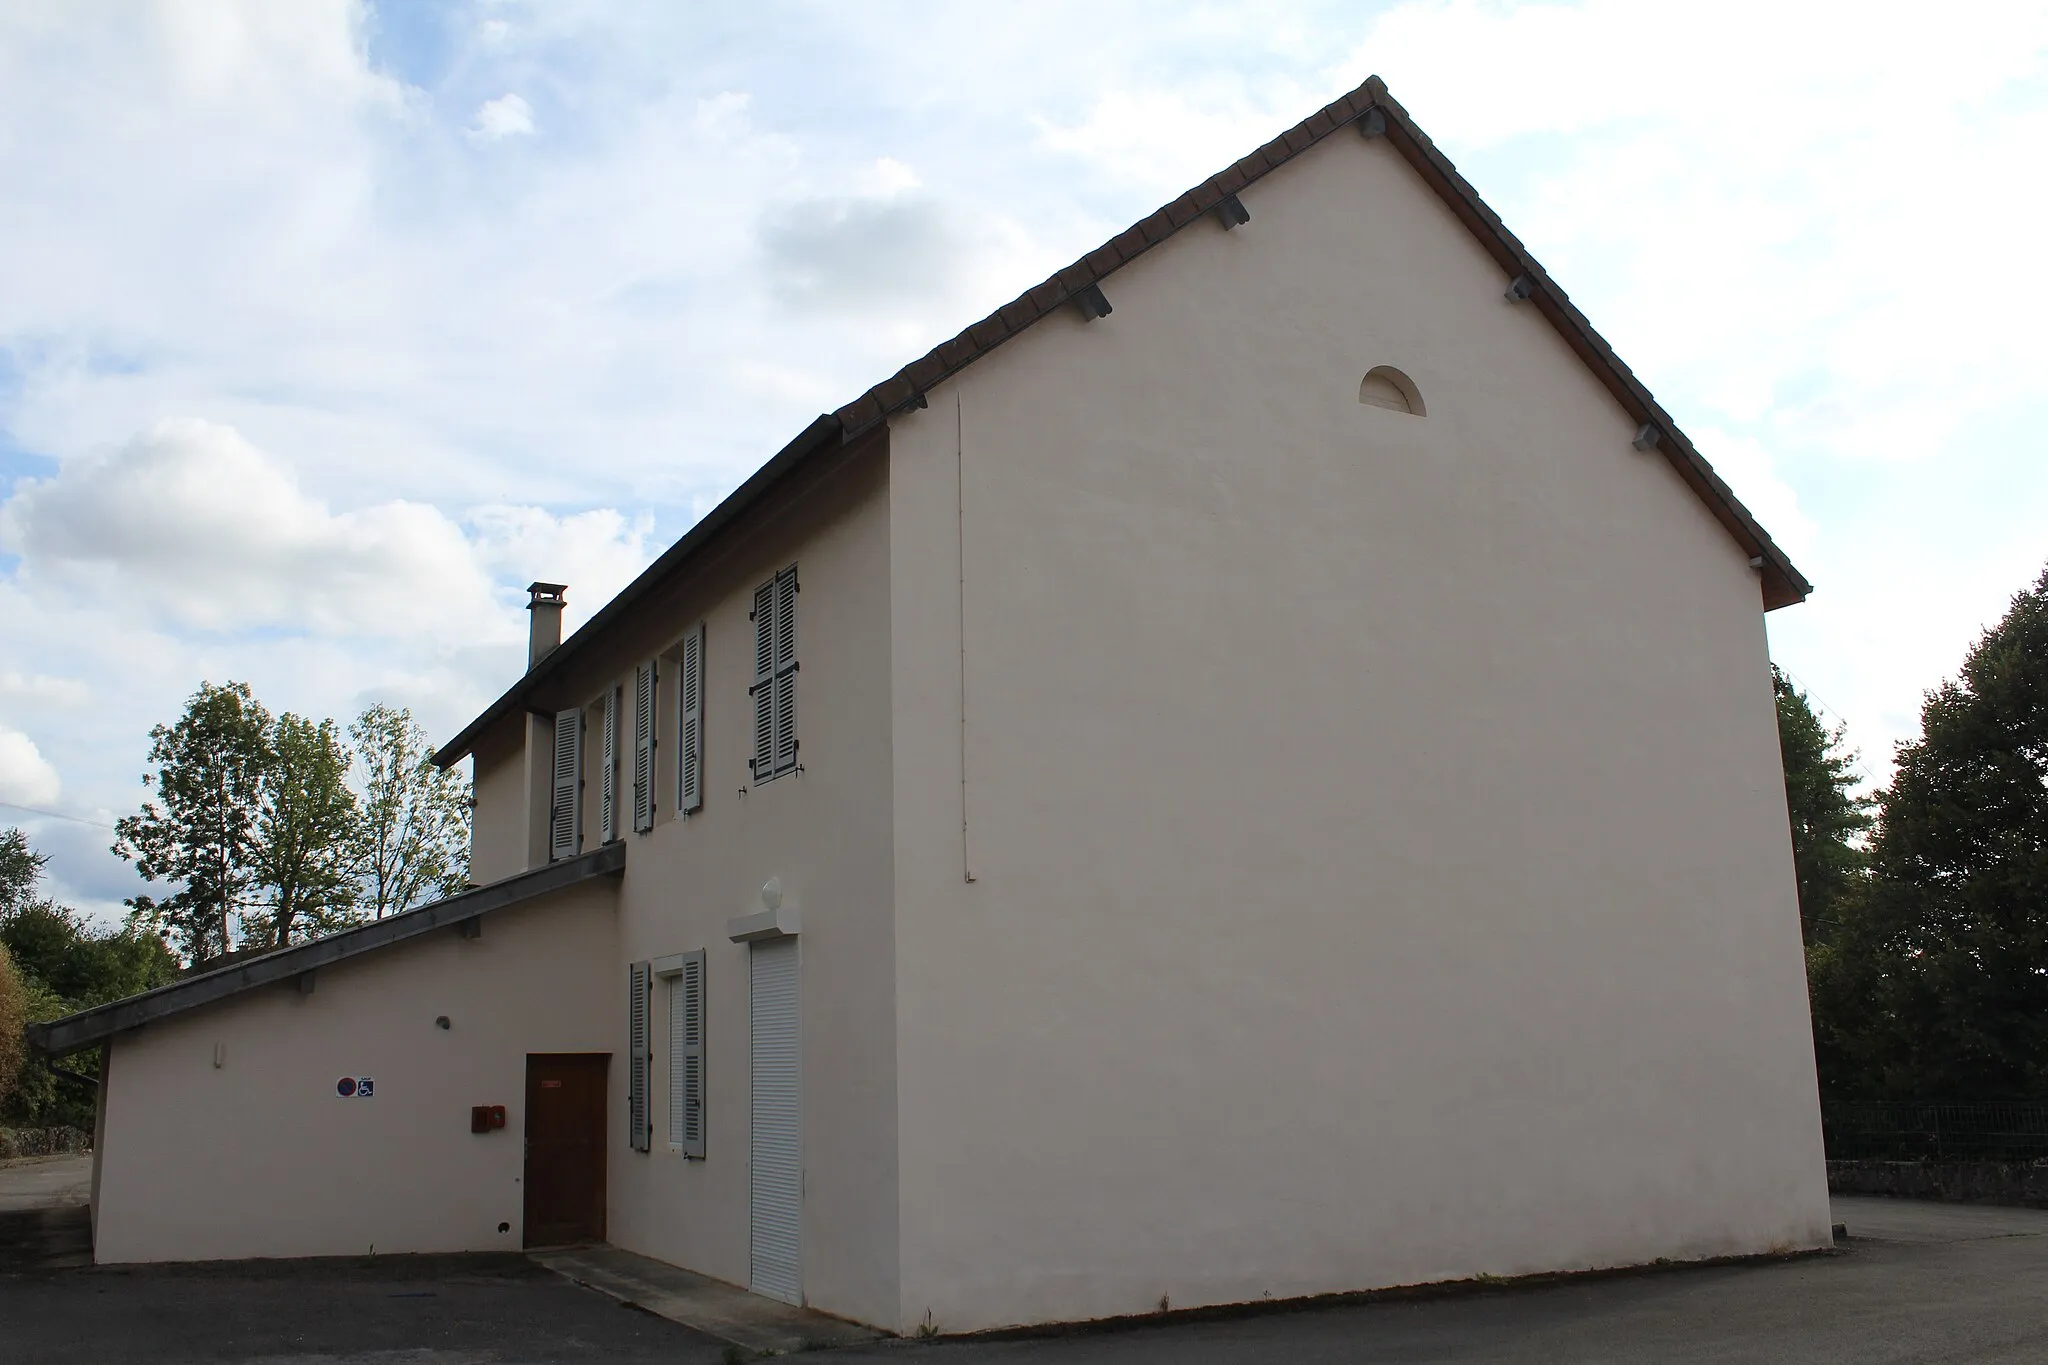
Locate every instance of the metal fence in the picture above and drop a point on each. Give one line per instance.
(1887, 1130)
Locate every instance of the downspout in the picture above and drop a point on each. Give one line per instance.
(960, 562)
(99, 1141)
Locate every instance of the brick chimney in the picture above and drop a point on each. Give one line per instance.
(545, 602)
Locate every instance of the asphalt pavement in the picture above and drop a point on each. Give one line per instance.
(1914, 1282)
(33, 1182)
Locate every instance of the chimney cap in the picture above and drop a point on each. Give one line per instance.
(546, 594)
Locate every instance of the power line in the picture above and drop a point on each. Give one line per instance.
(57, 815)
(1841, 722)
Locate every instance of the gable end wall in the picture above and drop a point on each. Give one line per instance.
(1380, 867)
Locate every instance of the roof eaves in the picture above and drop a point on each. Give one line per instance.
(1783, 583)
(950, 357)
(824, 431)
(74, 1031)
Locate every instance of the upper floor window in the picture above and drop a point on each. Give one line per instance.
(775, 670)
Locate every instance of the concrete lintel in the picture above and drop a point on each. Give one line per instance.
(782, 922)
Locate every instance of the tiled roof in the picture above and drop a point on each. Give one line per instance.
(1783, 584)
(241, 972)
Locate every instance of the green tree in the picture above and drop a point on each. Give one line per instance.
(61, 964)
(300, 868)
(20, 866)
(205, 832)
(1828, 815)
(13, 1015)
(412, 836)
(1958, 921)
(81, 964)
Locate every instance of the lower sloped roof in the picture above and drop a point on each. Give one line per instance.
(87, 1027)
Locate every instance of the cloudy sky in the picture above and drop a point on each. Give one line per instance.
(325, 326)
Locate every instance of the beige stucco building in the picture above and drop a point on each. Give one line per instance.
(1252, 771)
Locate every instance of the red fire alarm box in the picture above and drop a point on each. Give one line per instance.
(484, 1117)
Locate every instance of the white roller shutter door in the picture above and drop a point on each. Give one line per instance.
(777, 1177)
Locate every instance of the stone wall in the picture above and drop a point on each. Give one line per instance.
(1966, 1182)
(43, 1141)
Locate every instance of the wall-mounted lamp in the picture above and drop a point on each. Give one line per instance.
(773, 920)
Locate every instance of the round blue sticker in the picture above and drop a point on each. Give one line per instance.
(345, 1087)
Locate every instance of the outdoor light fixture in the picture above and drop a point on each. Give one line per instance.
(775, 918)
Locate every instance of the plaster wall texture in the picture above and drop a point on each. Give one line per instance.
(497, 828)
(824, 836)
(260, 1158)
(1381, 867)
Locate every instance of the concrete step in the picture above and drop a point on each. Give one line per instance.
(710, 1306)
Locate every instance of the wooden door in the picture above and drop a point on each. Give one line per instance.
(565, 1147)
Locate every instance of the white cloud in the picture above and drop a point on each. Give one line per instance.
(1747, 466)
(194, 522)
(26, 777)
(506, 116)
(1170, 140)
(40, 689)
(429, 373)
(190, 522)
(596, 553)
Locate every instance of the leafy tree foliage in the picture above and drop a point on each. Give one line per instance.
(412, 835)
(202, 831)
(13, 1014)
(1828, 816)
(60, 964)
(258, 825)
(301, 868)
(1959, 897)
(80, 963)
(20, 865)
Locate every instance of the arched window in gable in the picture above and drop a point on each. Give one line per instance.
(1386, 387)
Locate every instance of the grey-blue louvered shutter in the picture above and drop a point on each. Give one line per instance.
(785, 670)
(690, 740)
(686, 1056)
(608, 773)
(643, 746)
(565, 818)
(638, 987)
(764, 681)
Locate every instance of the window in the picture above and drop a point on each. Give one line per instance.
(690, 730)
(608, 766)
(775, 670)
(685, 975)
(643, 746)
(565, 813)
(1386, 387)
(639, 1129)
